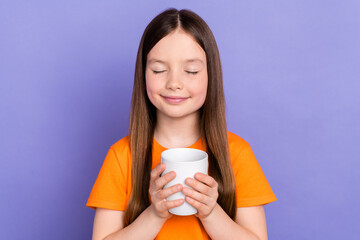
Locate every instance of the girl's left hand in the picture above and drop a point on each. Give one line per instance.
(204, 194)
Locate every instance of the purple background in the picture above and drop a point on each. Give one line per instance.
(292, 81)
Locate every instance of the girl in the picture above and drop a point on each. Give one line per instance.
(178, 101)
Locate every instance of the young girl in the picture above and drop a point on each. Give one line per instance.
(178, 101)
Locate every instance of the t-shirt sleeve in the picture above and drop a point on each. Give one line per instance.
(252, 188)
(109, 190)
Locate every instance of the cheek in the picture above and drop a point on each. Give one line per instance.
(200, 88)
(148, 81)
(152, 87)
(203, 94)
(148, 85)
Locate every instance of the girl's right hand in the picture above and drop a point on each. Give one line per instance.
(158, 195)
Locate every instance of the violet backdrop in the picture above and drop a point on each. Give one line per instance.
(292, 79)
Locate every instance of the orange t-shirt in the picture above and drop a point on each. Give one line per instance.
(112, 187)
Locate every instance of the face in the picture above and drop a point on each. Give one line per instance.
(176, 75)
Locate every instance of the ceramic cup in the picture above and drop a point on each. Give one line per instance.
(185, 162)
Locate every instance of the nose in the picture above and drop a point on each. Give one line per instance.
(174, 81)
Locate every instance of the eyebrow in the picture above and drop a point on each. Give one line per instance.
(188, 60)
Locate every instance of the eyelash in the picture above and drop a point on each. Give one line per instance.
(157, 72)
(193, 73)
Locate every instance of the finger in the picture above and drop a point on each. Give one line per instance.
(198, 186)
(208, 180)
(162, 181)
(166, 205)
(157, 170)
(169, 191)
(198, 205)
(154, 175)
(202, 198)
(174, 203)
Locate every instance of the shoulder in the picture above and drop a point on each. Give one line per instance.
(241, 154)
(236, 143)
(121, 147)
(123, 142)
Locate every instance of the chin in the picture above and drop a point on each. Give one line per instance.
(178, 114)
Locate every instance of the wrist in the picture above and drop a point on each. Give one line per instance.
(159, 219)
(211, 214)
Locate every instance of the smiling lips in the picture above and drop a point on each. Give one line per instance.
(174, 99)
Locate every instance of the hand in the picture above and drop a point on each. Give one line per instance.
(204, 194)
(158, 195)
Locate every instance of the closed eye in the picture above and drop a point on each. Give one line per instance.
(156, 72)
(194, 73)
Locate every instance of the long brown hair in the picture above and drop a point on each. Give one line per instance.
(212, 113)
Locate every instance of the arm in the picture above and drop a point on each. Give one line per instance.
(109, 224)
(106, 221)
(249, 223)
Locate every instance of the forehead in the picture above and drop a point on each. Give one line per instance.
(194, 60)
(177, 46)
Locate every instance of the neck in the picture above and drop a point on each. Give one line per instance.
(177, 132)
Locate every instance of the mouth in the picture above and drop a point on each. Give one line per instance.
(174, 99)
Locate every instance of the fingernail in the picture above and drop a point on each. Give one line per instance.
(178, 187)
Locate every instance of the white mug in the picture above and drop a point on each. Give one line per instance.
(185, 162)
